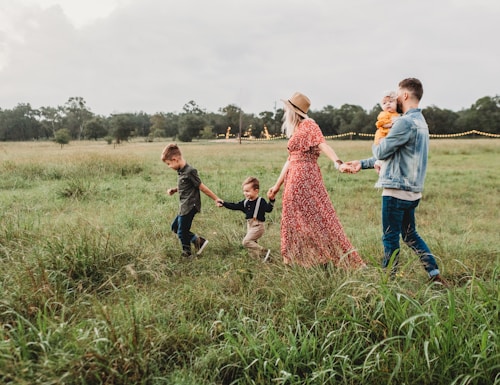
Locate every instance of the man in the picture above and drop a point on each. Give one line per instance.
(402, 174)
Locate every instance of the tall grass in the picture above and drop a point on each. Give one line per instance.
(94, 290)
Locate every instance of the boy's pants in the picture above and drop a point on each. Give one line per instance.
(255, 230)
(182, 227)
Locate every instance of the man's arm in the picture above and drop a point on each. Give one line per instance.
(368, 163)
(355, 166)
(398, 136)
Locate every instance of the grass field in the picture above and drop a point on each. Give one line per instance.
(94, 291)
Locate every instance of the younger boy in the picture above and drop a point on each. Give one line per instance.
(189, 186)
(254, 208)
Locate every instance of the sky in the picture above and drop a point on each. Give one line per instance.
(157, 55)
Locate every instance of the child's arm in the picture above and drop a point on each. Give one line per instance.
(205, 190)
(233, 206)
(172, 191)
(269, 205)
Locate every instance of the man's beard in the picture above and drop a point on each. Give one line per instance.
(399, 108)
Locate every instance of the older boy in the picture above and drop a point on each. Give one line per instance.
(189, 186)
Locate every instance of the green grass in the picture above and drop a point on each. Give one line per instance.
(93, 289)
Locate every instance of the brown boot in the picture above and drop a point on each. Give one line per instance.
(439, 280)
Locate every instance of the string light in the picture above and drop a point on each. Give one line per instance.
(432, 136)
(472, 132)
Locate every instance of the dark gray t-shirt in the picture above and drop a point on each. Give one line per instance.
(188, 185)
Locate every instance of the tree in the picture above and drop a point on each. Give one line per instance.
(192, 108)
(190, 126)
(20, 123)
(268, 120)
(77, 114)
(26, 123)
(207, 132)
(158, 125)
(217, 122)
(255, 124)
(278, 119)
(172, 122)
(348, 118)
(142, 125)
(121, 126)
(371, 119)
(440, 121)
(326, 120)
(95, 128)
(62, 136)
(51, 119)
(484, 115)
(232, 117)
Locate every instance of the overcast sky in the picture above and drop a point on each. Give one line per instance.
(157, 55)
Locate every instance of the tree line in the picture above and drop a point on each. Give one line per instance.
(75, 121)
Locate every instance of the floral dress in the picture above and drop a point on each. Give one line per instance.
(311, 233)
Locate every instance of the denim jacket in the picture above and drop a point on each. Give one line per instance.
(404, 153)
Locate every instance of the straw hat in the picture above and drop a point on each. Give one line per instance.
(299, 103)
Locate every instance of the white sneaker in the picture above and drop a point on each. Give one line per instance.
(200, 244)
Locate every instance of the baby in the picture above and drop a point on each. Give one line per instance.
(386, 117)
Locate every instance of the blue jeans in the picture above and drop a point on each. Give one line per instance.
(398, 219)
(182, 227)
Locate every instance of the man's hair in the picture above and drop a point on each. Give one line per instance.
(414, 86)
(253, 181)
(171, 151)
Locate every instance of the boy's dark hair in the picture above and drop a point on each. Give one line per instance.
(171, 151)
(414, 86)
(253, 181)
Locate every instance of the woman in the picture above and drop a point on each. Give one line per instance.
(311, 233)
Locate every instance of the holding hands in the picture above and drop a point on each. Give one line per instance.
(271, 193)
(347, 167)
(354, 166)
(351, 167)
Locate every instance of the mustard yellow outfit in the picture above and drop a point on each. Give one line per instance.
(383, 118)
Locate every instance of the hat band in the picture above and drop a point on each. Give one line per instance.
(300, 109)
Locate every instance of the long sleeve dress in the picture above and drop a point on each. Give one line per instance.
(311, 233)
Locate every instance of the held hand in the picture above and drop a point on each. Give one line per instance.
(171, 191)
(219, 203)
(345, 168)
(271, 193)
(354, 165)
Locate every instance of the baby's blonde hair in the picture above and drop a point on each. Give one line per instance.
(388, 94)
